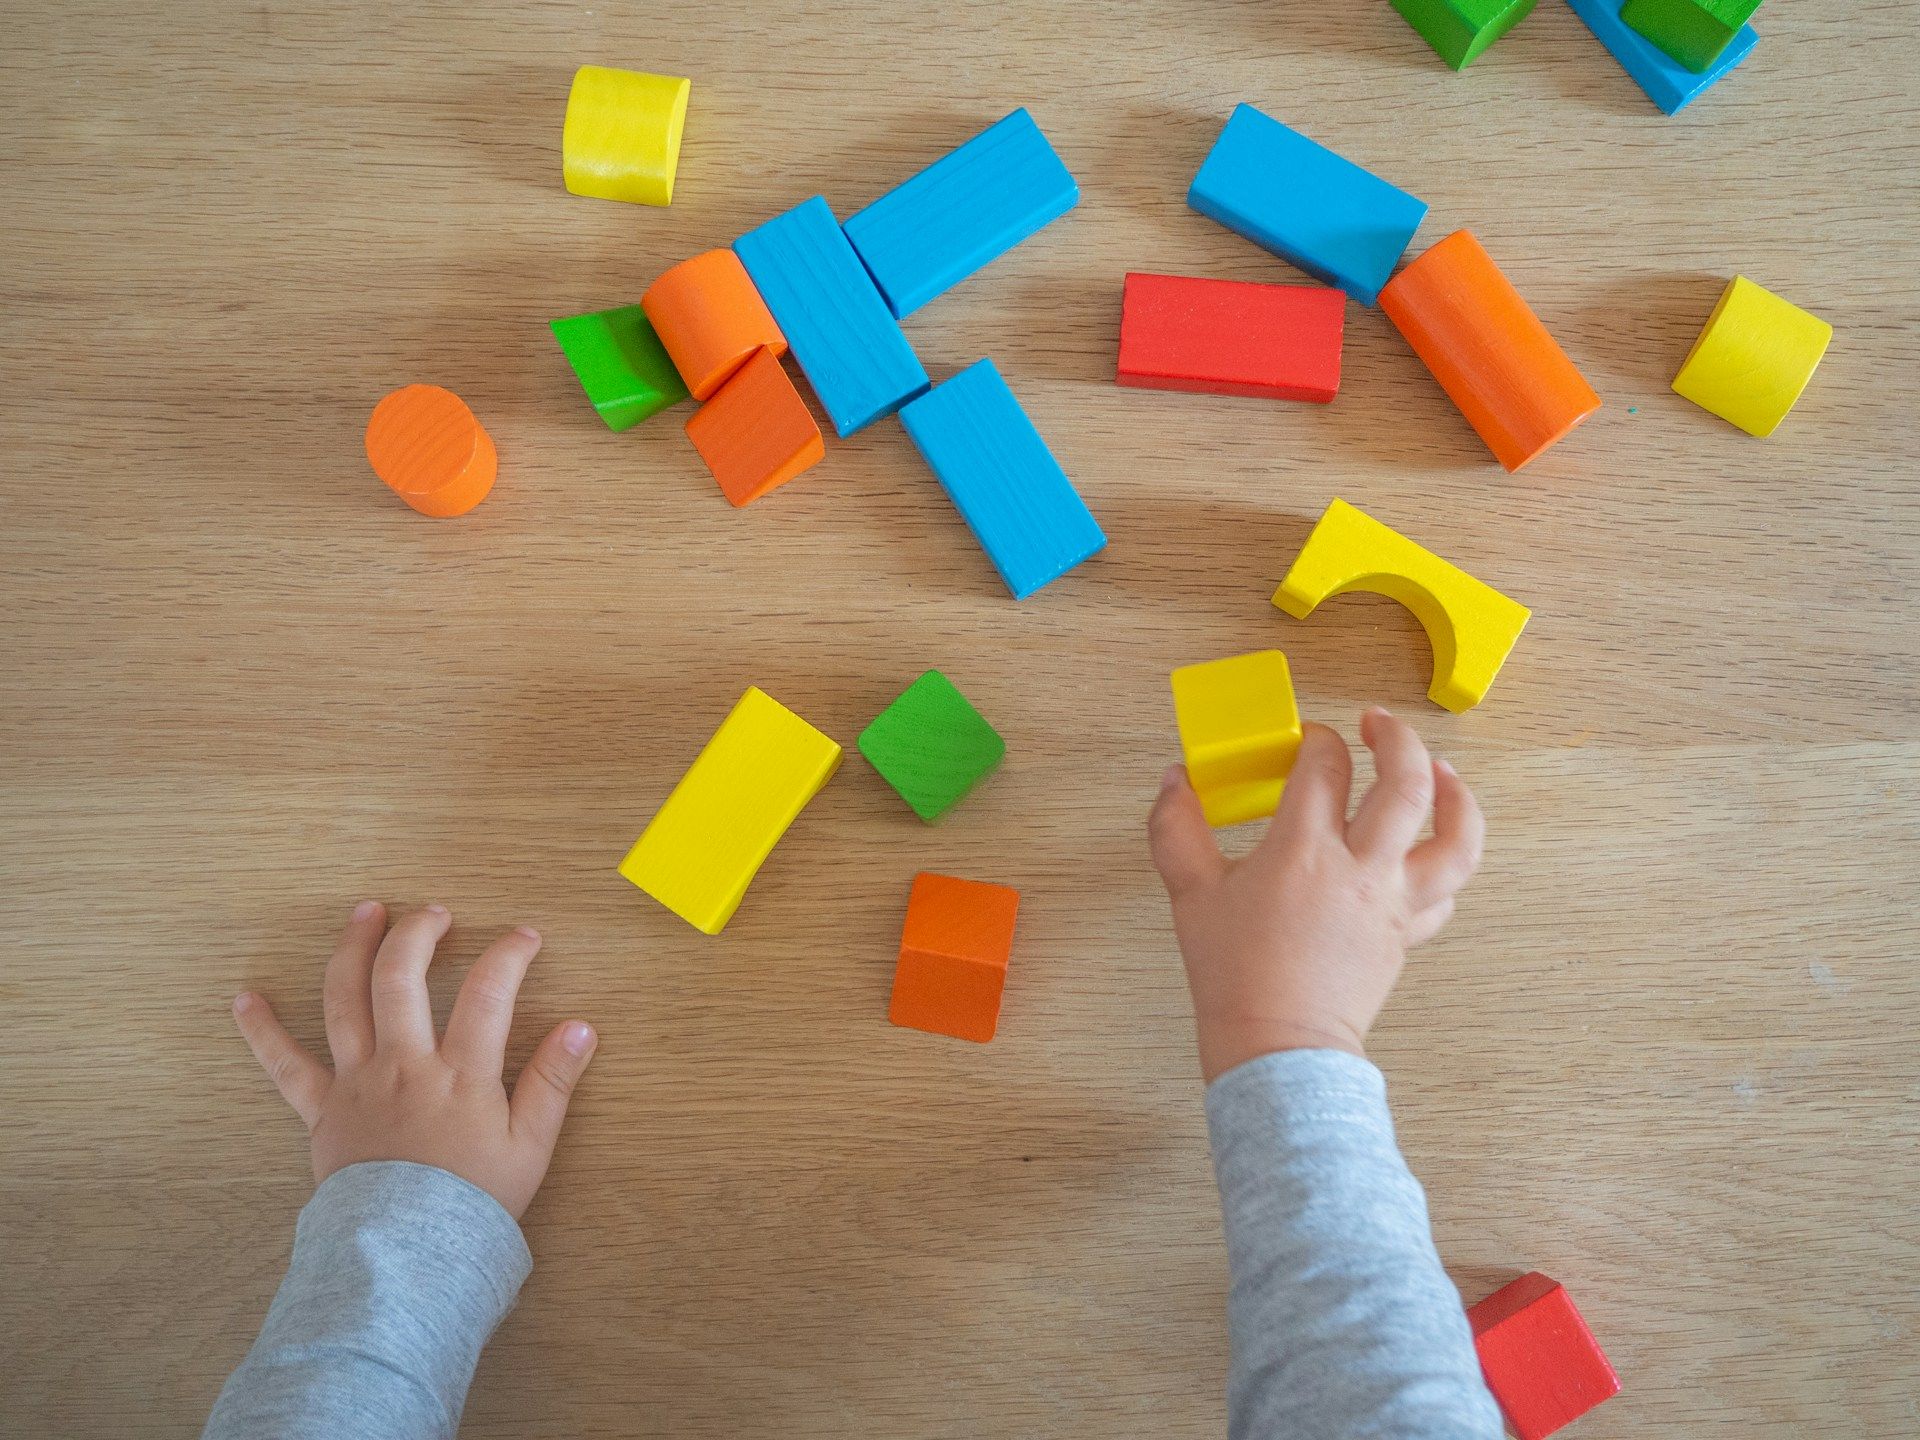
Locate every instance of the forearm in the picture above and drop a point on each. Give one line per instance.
(1343, 1321)
(400, 1273)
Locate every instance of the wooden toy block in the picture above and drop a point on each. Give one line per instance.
(621, 138)
(1472, 626)
(620, 363)
(1488, 350)
(1461, 30)
(1229, 337)
(1693, 32)
(756, 433)
(711, 319)
(1540, 1360)
(1668, 83)
(1754, 356)
(842, 333)
(954, 949)
(1239, 732)
(430, 450)
(998, 472)
(750, 783)
(968, 208)
(932, 746)
(1306, 204)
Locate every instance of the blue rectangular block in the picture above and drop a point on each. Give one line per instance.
(924, 237)
(1009, 489)
(1668, 83)
(836, 324)
(1337, 222)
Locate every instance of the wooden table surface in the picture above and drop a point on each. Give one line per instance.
(1666, 1053)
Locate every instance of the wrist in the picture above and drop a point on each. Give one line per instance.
(1227, 1043)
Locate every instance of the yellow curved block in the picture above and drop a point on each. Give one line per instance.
(1754, 356)
(1472, 626)
(1239, 732)
(621, 140)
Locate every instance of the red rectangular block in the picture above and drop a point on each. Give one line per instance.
(1231, 337)
(1541, 1362)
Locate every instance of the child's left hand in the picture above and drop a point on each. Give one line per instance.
(397, 1093)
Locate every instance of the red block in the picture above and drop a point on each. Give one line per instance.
(1541, 1362)
(1230, 337)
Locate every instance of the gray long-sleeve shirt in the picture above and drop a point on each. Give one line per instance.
(1344, 1326)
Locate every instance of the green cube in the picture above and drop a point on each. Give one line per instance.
(1693, 32)
(932, 746)
(1459, 30)
(622, 365)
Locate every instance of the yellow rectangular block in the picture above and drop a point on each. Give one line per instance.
(1754, 356)
(751, 782)
(1239, 730)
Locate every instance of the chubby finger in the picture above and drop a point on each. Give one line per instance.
(1184, 850)
(402, 1011)
(1438, 867)
(477, 1030)
(347, 992)
(1318, 786)
(540, 1095)
(1427, 923)
(301, 1080)
(1391, 815)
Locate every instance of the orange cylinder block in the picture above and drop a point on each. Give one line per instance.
(1489, 352)
(710, 316)
(430, 450)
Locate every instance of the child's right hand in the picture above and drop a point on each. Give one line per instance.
(1298, 945)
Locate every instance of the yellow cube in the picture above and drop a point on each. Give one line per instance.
(722, 820)
(1754, 356)
(1239, 730)
(621, 140)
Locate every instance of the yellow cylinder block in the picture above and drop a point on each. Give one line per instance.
(1754, 356)
(621, 140)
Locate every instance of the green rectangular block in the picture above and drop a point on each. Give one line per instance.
(1458, 30)
(621, 363)
(1692, 32)
(932, 746)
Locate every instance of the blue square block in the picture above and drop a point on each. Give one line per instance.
(999, 473)
(836, 324)
(1337, 222)
(1668, 83)
(925, 236)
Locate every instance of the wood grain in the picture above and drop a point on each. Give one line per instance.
(1666, 1052)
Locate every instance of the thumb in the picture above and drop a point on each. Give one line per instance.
(541, 1093)
(1184, 851)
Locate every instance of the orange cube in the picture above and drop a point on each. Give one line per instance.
(710, 316)
(953, 956)
(756, 433)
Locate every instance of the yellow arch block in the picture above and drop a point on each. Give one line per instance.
(1754, 356)
(621, 139)
(1239, 732)
(1471, 625)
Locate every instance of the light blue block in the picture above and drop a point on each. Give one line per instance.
(924, 237)
(1668, 83)
(1337, 222)
(1010, 490)
(836, 323)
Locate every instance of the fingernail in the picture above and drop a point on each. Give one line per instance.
(1174, 775)
(364, 910)
(242, 1002)
(436, 909)
(577, 1038)
(528, 931)
(1379, 710)
(1444, 765)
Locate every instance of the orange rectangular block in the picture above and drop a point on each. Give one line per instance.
(756, 433)
(953, 956)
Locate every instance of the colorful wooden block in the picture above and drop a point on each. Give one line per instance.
(1540, 1360)
(1668, 83)
(968, 208)
(1460, 31)
(932, 746)
(998, 472)
(428, 448)
(842, 333)
(954, 949)
(621, 138)
(1472, 626)
(1488, 350)
(1339, 223)
(711, 319)
(1754, 356)
(750, 783)
(1230, 337)
(1695, 33)
(620, 363)
(756, 433)
(1239, 731)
